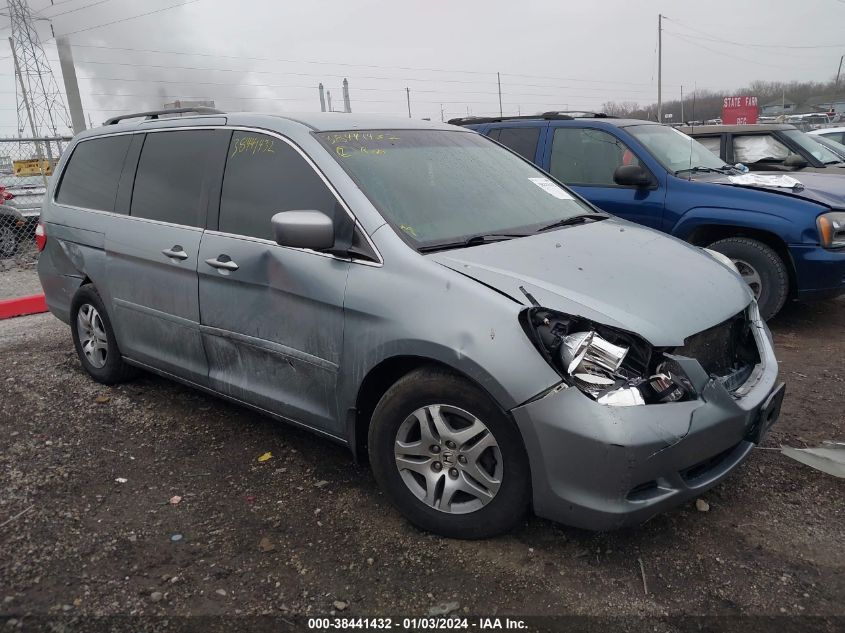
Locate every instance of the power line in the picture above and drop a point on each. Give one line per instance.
(132, 17)
(368, 77)
(747, 44)
(724, 54)
(74, 10)
(349, 65)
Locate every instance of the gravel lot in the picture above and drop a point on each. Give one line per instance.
(18, 275)
(307, 532)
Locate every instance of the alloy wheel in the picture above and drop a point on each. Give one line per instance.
(448, 459)
(92, 335)
(750, 276)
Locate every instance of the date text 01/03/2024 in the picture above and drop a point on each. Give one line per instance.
(426, 623)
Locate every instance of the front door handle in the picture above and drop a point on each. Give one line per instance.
(177, 252)
(221, 264)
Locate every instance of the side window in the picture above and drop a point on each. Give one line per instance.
(712, 143)
(584, 156)
(494, 133)
(93, 171)
(759, 147)
(173, 176)
(522, 140)
(264, 176)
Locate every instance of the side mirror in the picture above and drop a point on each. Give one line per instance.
(632, 176)
(796, 161)
(303, 229)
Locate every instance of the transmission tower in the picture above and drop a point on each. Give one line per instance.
(41, 108)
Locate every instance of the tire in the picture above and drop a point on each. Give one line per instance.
(492, 462)
(8, 240)
(760, 265)
(92, 331)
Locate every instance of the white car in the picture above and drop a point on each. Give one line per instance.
(835, 133)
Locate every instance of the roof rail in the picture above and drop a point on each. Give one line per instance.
(578, 114)
(497, 119)
(155, 114)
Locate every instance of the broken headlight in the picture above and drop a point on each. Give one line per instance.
(613, 367)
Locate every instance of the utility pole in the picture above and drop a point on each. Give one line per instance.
(329, 99)
(499, 81)
(682, 104)
(322, 97)
(660, 68)
(347, 107)
(839, 72)
(408, 97)
(71, 85)
(442, 118)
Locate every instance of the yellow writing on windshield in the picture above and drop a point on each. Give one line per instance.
(335, 138)
(345, 152)
(252, 145)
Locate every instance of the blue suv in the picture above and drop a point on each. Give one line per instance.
(786, 239)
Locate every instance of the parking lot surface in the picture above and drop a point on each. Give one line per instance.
(91, 523)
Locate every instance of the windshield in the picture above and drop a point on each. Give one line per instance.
(811, 146)
(835, 146)
(439, 186)
(675, 150)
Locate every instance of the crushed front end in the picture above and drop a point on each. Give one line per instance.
(632, 430)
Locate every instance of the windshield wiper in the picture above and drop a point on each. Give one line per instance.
(475, 240)
(575, 219)
(699, 168)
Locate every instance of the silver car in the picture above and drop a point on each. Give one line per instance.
(488, 340)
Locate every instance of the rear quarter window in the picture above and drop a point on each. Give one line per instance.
(522, 140)
(92, 173)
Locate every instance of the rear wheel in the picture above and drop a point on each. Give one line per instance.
(447, 457)
(8, 241)
(761, 268)
(94, 340)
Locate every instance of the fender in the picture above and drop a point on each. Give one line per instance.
(695, 217)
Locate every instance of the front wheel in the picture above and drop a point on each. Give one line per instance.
(447, 457)
(761, 268)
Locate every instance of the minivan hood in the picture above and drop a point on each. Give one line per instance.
(612, 272)
(827, 188)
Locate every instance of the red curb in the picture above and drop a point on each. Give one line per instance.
(21, 306)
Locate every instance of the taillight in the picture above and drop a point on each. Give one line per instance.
(40, 237)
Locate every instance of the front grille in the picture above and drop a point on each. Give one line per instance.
(723, 349)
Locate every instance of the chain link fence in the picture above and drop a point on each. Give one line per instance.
(25, 166)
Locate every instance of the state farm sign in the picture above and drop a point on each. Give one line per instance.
(739, 110)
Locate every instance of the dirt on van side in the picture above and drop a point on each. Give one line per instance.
(149, 499)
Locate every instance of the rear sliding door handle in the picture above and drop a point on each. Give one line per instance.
(220, 264)
(177, 252)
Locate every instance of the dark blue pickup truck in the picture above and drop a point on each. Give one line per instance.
(787, 239)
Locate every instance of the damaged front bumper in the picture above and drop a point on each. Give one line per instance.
(602, 467)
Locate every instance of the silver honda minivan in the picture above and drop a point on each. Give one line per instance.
(488, 340)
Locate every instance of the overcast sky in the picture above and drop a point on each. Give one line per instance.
(270, 55)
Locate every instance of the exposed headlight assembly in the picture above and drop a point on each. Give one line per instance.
(832, 229)
(613, 367)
